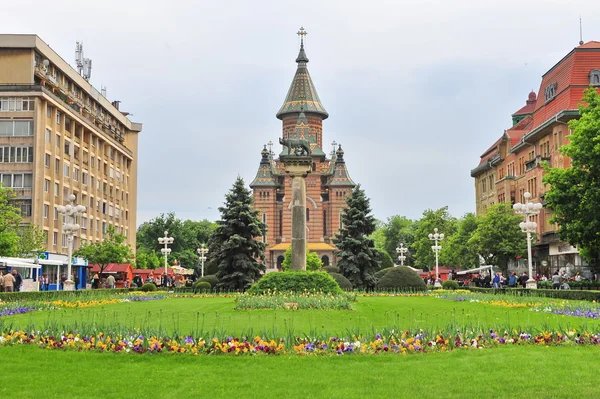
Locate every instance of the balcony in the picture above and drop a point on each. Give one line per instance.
(23, 192)
(536, 162)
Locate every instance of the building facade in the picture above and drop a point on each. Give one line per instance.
(513, 165)
(327, 186)
(60, 136)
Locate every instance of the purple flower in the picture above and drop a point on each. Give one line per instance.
(377, 336)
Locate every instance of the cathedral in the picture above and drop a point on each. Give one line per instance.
(327, 185)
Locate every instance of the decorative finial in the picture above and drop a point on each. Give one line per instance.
(580, 32)
(302, 56)
(302, 33)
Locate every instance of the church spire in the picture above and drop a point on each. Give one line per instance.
(302, 92)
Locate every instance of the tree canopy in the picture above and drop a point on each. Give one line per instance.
(445, 223)
(113, 249)
(16, 239)
(574, 192)
(312, 260)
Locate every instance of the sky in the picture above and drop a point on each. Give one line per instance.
(416, 90)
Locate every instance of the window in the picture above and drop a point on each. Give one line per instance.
(48, 135)
(75, 174)
(104, 208)
(84, 178)
(49, 111)
(324, 223)
(16, 154)
(66, 169)
(595, 77)
(67, 147)
(46, 185)
(111, 210)
(104, 227)
(55, 213)
(84, 223)
(545, 149)
(16, 104)
(24, 206)
(112, 172)
(307, 215)
(57, 117)
(99, 165)
(92, 162)
(17, 180)
(46, 211)
(56, 165)
(91, 203)
(16, 128)
(47, 161)
(550, 91)
(532, 187)
(54, 238)
(64, 241)
(57, 140)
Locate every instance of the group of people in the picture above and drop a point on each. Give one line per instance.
(11, 282)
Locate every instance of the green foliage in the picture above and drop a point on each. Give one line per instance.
(295, 301)
(398, 229)
(445, 223)
(113, 249)
(380, 273)
(574, 192)
(342, 281)
(378, 236)
(331, 269)
(232, 244)
(312, 260)
(10, 217)
(31, 241)
(211, 279)
(457, 250)
(498, 237)
(401, 278)
(296, 281)
(46, 296)
(580, 295)
(450, 285)
(357, 254)
(384, 259)
(202, 286)
(148, 287)
(188, 236)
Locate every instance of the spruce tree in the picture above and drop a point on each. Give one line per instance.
(356, 251)
(233, 247)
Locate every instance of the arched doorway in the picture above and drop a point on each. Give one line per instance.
(325, 260)
(280, 262)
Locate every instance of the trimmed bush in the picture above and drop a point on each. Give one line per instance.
(384, 259)
(332, 269)
(202, 286)
(450, 285)
(296, 281)
(401, 278)
(379, 274)
(211, 279)
(148, 287)
(342, 281)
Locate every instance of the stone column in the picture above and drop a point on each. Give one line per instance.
(298, 222)
(298, 167)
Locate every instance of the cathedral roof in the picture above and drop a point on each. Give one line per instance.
(265, 177)
(340, 176)
(302, 92)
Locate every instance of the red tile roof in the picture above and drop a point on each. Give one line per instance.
(112, 268)
(590, 44)
(529, 105)
(143, 271)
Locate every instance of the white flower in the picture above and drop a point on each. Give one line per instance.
(2, 339)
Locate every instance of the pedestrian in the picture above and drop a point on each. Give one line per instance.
(45, 282)
(512, 280)
(63, 278)
(110, 282)
(497, 280)
(524, 278)
(556, 281)
(18, 280)
(76, 279)
(9, 282)
(95, 281)
(1, 282)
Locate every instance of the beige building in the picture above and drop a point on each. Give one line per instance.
(60, 136)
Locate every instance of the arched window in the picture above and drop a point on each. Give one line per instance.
(280, 262)
(595, 77)
(307, 215)
(325, 260)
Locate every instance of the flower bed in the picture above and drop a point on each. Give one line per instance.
(295, 301)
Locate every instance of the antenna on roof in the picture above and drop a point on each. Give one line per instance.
(84, 65)
(580, 32)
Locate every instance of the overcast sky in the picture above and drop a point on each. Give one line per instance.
(416, 90)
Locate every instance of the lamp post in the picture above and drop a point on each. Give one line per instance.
(166, 241)
(435, 237)
(528, 209)
(401, 251)
(70, 212)
(202, 251)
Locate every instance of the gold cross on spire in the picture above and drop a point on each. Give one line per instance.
(302, 33)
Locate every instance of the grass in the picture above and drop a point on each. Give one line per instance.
(187, 315)
(507, 372)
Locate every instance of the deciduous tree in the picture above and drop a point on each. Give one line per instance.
(113, 249)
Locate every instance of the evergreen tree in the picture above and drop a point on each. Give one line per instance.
(357, 254)
(233, 246)
(574, 193)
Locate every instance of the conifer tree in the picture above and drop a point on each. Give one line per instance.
(233, 245)
(357, 255)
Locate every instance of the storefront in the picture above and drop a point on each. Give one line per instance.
(54, 266)
(566, 258)
(27, 268)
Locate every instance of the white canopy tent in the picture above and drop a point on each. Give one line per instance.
(26, 268)
(480, 269)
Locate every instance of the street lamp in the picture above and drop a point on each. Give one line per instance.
(202, 251)
(528, 209)
(70, 212)
(401, 251)
(166, 240)
(435, 237)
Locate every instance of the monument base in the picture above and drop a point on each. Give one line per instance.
(531, 284)
(69, 285)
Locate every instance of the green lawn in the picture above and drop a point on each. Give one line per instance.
(370, 314)
(506, 372)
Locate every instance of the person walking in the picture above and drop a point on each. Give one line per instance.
(512, 280)
(497, 280)
(556, 281)
(524, 278)
(9, 282)
(1, 282)
(18, 280)
(110, 281)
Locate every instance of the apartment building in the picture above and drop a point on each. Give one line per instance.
(513, 165)
(60, 136)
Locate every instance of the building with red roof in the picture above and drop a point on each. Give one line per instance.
(513, 165)
(121, 272)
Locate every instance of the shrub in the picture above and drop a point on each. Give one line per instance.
(384, 259)
(202, 286)
(211, 279)
(401, 278)
(331, 269)
(379, 274)
(342, 281)
(148, 287)
(296, 281)
(313, 262)
(450, 285)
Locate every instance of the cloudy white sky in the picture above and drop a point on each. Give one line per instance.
(416, 90)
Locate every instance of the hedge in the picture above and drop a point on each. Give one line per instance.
(202, 286)
(559, 294)
(402, 278)
(342, 281)
(450, 285)
(210, 278)
(296, 281)
(331, 269)
(380, 273)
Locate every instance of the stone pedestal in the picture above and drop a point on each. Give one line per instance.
(69, 285)
(298, 168)
(531, 284)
